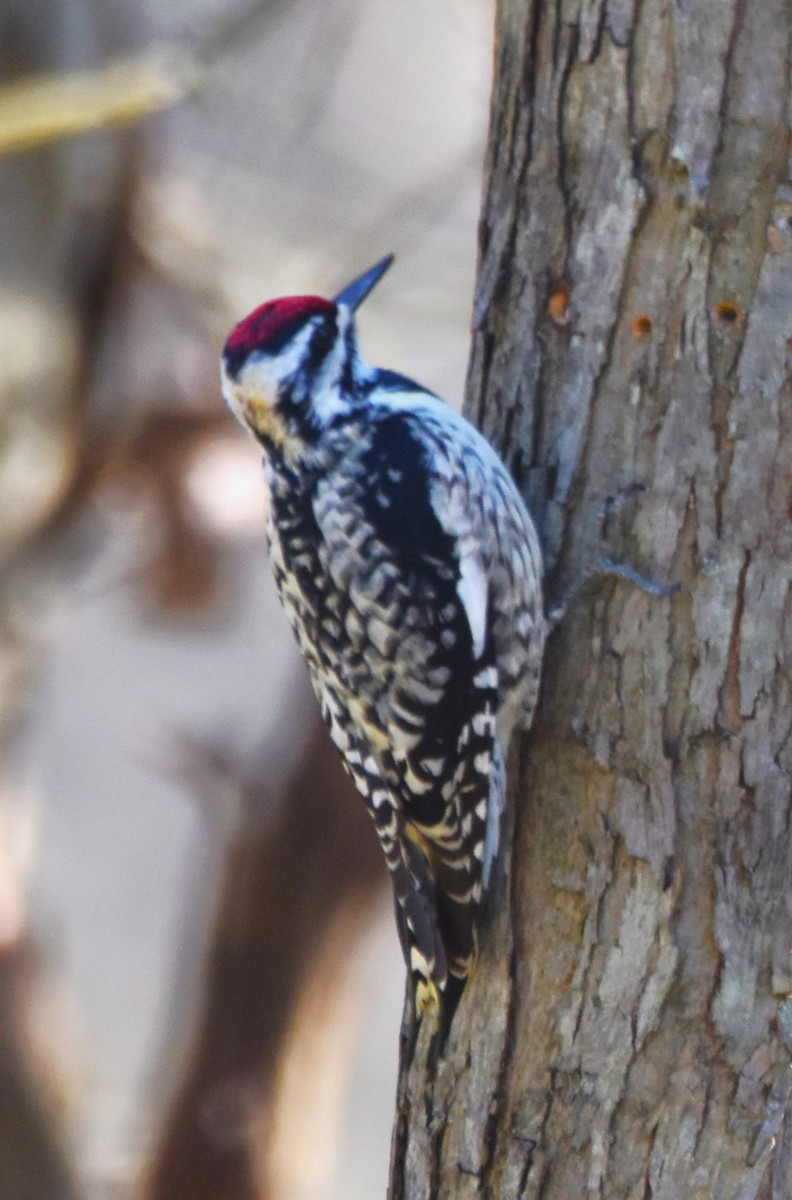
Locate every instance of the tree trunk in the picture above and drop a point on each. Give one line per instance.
(628, 1031)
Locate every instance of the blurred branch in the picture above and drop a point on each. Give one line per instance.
(33, 1162)
(51, 107)
(48, 108)
(288, 888)
(182, 571)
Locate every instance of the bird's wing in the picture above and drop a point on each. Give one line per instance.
(420, 681)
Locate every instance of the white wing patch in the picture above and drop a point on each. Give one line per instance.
(473, 591)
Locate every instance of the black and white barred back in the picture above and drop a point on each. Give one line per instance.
(411, 574)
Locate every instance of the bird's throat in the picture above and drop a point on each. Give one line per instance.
(265, 421)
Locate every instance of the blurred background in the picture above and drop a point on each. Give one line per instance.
(200, 980)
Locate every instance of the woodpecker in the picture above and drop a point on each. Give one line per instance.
(411, 574)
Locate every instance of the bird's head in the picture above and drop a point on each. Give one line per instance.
(289, 367)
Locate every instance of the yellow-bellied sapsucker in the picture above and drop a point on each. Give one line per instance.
(411, 573)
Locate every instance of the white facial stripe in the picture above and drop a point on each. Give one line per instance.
(274, 368)
(325, 399)
(231, 396)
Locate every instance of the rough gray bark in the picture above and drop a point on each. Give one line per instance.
(628, 1032)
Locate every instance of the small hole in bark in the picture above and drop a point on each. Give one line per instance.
(558, 305)
(642, 328)
(727, 314)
